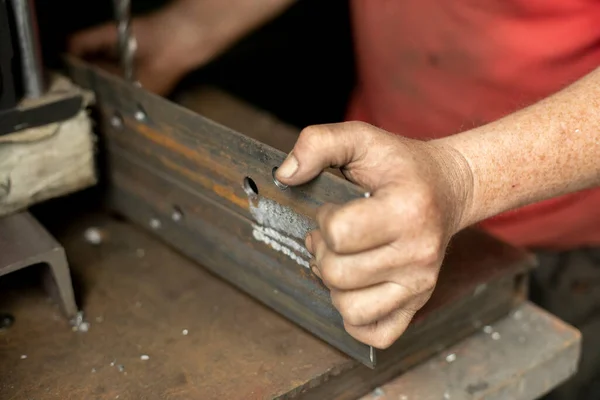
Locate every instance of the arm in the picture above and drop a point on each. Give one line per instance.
(380, 256)
(219, 24)
(546, 150)
(177, 39)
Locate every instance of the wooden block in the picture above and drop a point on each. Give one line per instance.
(48, 161)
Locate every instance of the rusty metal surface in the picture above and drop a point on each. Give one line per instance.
(25, 243)
(163, 157)
(521, 357)
(181, 176)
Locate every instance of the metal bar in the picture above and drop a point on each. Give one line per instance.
(24, 243)
(209, 192)
(127, 44)
(31, 55)
(46, 110)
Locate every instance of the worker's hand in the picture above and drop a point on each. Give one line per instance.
(170, 43)
(173, 41)
(380, 256)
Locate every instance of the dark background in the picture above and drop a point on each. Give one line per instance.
(299, 67)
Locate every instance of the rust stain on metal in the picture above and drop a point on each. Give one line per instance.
(223, 191)
(167, 142)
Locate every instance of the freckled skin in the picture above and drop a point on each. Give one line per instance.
(548, 149)
(380, 256)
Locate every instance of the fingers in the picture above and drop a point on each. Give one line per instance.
(369, 305)
(362, 224)
(322, 146)
(383, 333)
(97, 40)
(348, 272)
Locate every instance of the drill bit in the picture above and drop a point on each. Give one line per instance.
(127, 43)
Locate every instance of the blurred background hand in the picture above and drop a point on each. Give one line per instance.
(176, 39)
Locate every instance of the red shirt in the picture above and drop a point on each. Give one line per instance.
(432, 68)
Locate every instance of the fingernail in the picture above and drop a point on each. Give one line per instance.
(289, 167)
(308, 243)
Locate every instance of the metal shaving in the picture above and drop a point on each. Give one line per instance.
(79, 324)
(93, 236)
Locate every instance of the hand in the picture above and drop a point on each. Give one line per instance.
(170, 43)
(380, 256)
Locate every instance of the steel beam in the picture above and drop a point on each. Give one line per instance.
(209, 192)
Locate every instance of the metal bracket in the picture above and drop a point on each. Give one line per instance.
(24, 243)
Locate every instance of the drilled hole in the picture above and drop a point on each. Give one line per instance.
(250, 187)
(116, 120)
(140, 113)
(176, 214)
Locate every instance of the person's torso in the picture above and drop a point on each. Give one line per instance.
(431, 68)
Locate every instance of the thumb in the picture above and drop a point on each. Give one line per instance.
(323, 146)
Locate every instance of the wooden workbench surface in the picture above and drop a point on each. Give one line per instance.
(205, 340)
(521, 357)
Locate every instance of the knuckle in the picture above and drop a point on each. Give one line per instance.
(427, 283)
(358, 125)
(311, 136)
(353, 316)
(336, 229)
(352, 313)
(383, 340)
(430, 251)
(332, 271)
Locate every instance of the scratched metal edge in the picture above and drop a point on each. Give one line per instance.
(262, 273)
(467, 316)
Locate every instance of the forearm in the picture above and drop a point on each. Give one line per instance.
(225, 22)
(546, 150)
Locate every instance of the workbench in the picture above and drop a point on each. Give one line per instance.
(162, 327)
(206, 340)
